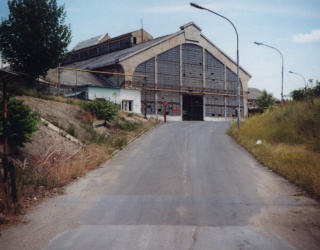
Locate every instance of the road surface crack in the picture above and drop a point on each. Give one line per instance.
(194, 239)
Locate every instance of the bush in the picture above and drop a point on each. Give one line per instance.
(306, 92)
(22, 122)
(71, 130)
(18, 89)
(104, 110)
(120, 142)
(94, 137)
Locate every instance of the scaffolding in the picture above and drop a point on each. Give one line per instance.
(187, 69)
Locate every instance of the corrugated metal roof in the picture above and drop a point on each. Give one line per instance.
(9, 72)
(110, 58)
(87, 43)
(254, 93)
(68, 77)
(74, 93)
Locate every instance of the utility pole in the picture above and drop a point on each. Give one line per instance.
(145, 90)
(5, 146)
(5, 130)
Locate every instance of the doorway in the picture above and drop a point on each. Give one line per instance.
(192, 108)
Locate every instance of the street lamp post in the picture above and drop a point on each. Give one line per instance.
(238, 82)
(305, 83)
(282, 66)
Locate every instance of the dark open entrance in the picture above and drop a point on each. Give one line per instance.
(192, 108)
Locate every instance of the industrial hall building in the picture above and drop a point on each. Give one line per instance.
(184, 69)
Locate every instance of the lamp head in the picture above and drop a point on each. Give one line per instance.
(258, 43)
(196, 6)
(291, 72)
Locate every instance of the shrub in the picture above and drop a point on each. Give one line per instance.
(71, 130)
(94, 137)
(104, 110)
(307, 92)
(22, 122)
(120, 142)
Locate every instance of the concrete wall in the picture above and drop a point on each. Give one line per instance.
(134, 96)
(112, 95)
(117, 96)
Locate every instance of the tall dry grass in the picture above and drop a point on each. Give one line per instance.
(50, 172)
(290, 137)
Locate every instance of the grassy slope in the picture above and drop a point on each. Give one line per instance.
(290, 137)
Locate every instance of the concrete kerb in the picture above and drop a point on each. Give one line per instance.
(60, 131)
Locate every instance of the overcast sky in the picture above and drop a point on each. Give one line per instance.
(291, 26)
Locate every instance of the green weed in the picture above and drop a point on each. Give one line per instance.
(290, 137)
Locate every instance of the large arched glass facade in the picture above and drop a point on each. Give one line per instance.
(188, 71)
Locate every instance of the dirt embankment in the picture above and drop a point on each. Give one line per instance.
(52, 159)
(63, 116)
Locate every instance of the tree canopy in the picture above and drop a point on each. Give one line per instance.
(265, 100)
(306, 92)
(34, 38)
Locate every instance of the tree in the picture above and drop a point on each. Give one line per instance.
(298, 95)
(265, 100)
(306, 92)
(34, 38)
(22, 122)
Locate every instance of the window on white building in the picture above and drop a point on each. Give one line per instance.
(127, 105)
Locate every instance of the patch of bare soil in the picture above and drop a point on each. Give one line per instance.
(60, 114)
(300, 226)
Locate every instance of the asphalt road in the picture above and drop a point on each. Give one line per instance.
(183, 185)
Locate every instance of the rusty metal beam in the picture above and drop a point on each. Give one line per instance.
(183, 91)
(98, 72)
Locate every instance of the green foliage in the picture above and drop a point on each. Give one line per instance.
(129, 126)
(17, 89)
(298, 95)
(295, 123)
(265, 100)
(93, 136)
(28, 176)
(71, 130)
(22, 122)
(290, 136)
(307, 92)
(104, 110)
(34, 38)
(120, 142)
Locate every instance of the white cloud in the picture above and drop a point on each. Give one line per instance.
(314, 36)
